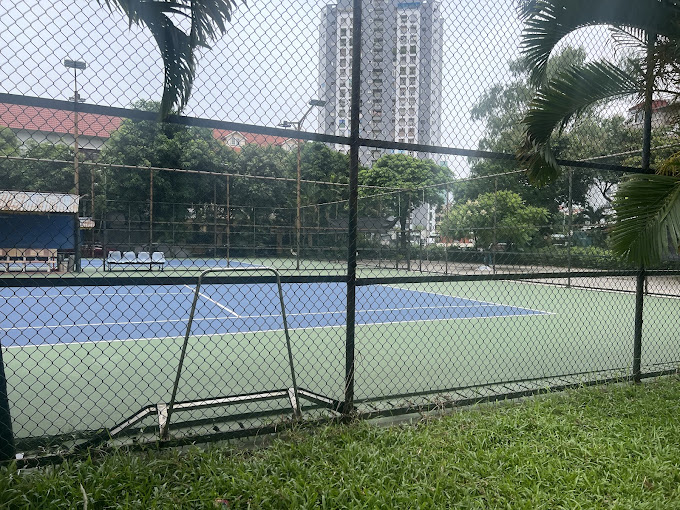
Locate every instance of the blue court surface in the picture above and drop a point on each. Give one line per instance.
(36, 316)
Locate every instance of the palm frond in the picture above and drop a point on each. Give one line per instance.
(559, 101)
(546, 22)
(207, 19)
(628, 37)
(647, 224)
(670, 166)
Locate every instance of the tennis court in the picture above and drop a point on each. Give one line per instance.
(89, 314)
(85, 357)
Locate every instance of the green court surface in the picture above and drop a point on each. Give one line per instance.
(69, 388)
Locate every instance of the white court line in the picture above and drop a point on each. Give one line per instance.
(381, 310)
(269, 316)
(208, 298)
(75, 325)
(279, 330)
(372, 310)
(52, 296)
(466, 299)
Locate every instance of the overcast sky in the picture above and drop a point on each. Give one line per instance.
(263, 70)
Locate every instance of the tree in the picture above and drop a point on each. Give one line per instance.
(321, 163)
(494, 218)
(268, 196)
(9, 147)
(161, 145)
(27, 174)
(415, 177)
(167, 20)
(46, 175)
(647, 206)
(502, 108)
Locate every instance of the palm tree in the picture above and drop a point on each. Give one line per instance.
(163, 18)
(647, 205)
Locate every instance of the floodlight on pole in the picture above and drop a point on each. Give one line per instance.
(298, 127)
(76, 65)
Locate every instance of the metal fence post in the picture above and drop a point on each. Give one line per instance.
(214, 209)
(445, 242)
(408, 232)
(637, 338)
(494, 233)
(348, 404)
(646, 152)
(228, 220)
(570, 232)
(7, 451)
(150, 210)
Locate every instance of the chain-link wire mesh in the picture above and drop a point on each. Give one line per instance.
(419, 266)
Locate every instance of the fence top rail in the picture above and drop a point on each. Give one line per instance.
(119, 281)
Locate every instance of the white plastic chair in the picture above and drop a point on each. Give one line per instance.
(143, 257)
(158, 257)
(113, 258)
(129, 257)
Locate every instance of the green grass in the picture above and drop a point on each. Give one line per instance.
(602, 447)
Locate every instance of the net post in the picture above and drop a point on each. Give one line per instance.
(7, 448)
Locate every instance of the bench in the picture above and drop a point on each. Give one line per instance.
(25, 257)
(128, 258)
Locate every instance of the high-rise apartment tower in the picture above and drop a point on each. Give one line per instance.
(401, 72)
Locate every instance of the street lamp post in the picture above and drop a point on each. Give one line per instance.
(298, 127)
(76, 65)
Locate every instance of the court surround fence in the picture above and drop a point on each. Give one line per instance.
(296, 286)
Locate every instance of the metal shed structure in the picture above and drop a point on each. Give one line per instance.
(35, 226)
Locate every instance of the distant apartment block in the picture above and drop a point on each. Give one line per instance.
(401, 72)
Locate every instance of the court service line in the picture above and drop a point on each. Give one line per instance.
(260, 331)
(208, 298)
(269, 316)
(385, 310)
(459, 297)
(96, 324)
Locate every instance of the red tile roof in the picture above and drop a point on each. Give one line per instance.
(657, 104)
(49, 120)
(250, 138)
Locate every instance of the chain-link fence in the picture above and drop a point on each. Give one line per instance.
(331, 228)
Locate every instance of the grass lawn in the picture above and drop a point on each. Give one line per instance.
(604, 447)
